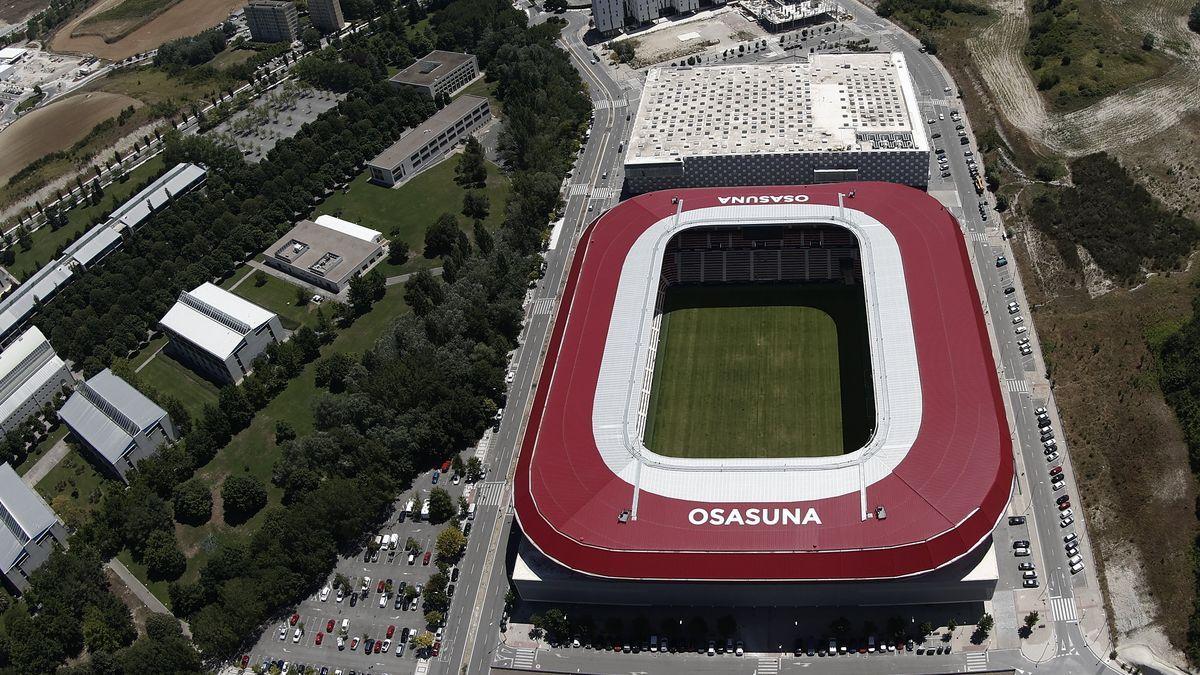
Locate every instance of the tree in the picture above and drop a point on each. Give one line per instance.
(398, 252)
(1148, 42)
(366, 291)
(301, 296)
(193, 502)
(625, 50)
(483, 238)
(434, 618)
(284, 432)
(476, 205)
(162, 626)
(474, 472)
(1031, 620)
(423, 640)
(1194, 18)
(441, 506)
(456, 466)
(423, 292)
(984, 626)
(107, 626)
(243, 496)
(951, 625)
(450, 543)
(471, 171)
(925, 629)
(311, 39)
(162, 556)
(441, 236)
(260, 278)
(554, 623)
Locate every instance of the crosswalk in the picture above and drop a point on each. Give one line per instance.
(767, 666)
(597, 193)
(977, 661)
(1063, 609)
(543, 306)
(489, 493)
(605, 193)
(578, 190)
(979, 237)
(605, 104)
(1018, 386)
(524, 658)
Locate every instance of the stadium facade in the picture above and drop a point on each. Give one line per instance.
(833, 118)
(907, 518)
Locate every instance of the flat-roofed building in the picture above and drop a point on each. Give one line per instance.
(440, 72)
(273, 20)
(836, 117)
(30, 529)
(118, 423)
(326, 15)
(327, 253)
(426, 145)
(219, 334)
(612, 15)
(30, 375)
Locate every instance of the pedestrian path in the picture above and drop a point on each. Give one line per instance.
(1063, 609)
(977, 661)
(48, 461)
(767, 666)
(524, 658)
(485, 444)
(543, 306)
(489, 493)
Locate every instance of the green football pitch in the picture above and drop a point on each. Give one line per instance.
(761, 371)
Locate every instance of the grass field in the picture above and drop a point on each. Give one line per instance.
(172, 378)
(276, 295)
(761, 371)
(403, 213)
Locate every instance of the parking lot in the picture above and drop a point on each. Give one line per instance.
(368, 615)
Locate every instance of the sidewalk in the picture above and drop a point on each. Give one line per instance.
(397, 280)
(44, 465)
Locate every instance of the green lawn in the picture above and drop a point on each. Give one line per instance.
(482, 87)
(254, 450)
(172, 378)
(36, 454)
(761, 371)
(276, 295)
(47, 242)
(72, 488)
(403, 213)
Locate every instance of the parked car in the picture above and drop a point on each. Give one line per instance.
(428, 555)
(1066, 522)
(1030, 583)
(1016, 520)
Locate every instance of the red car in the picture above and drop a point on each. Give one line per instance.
(329, 626)
(437, 648)
(445, 466)
(391, 629)
(320, 636)
(1055, 471)
(380, 589)
(245, 660)
(353, 644)
(295, 618)
(428, 555)
(377, 647)
(1064, 506)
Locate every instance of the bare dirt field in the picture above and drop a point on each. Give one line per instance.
(55, 127)
(186, 17)
(16, 11)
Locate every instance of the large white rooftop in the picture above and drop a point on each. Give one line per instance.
(832, 103)
(214, 319)
(349, 229)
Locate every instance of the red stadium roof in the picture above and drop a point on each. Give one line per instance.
(942, 499)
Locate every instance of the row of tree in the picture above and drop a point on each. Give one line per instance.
(195, 49)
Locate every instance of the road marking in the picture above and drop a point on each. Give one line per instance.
(1018, 386)
(977, 661)
(422, 667)
(1063, 609)
(578, 189)
(543, 306)
(489, 493)
(524, 658)
(481, 450)
(767, 666)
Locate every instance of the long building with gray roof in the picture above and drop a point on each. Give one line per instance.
(30, 529)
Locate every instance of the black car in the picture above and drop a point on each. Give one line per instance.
(1016, 520)
(367, 645)
(1009, 290)
(1057, 478)
(1020, 543)
(353, 599)
(1063, 499)
(798, 647)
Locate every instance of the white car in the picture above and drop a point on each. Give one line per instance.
(1066, 522)
(1075, 560)
(508, 379)
(1060, 485)
(296, 635)
(324, 594)
(382, 600)
(339, 595)
(1021, 329)
(1063, 515)
(1076, 568)
(1052, 457)
(386, 645)
(282, 632)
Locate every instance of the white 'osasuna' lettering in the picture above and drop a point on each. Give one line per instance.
(754, 516)
(764, 199)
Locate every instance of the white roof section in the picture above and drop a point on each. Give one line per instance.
(214, 319)
(108, 412)
(9, 54)
(27, 364)
(350, 229)
(180, 179)
(92, 245)
(24, 516)
(831, 103)
(626, 371)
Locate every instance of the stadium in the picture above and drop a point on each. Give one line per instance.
(775, 395)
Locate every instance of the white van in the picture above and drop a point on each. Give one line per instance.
(425, 510)
(393, 541)
(471, 512)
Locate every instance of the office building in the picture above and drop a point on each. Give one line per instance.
(439, 73)
(420, 148)
(30, 376)
(610, 16)
(327, 253)
(326, 15)
(219, 334)
(116, 422)
(273, 21)
(30, 529)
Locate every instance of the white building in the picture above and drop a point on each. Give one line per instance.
(837, 117)
(327, 253)
(219, 334)
(30, 529)
(30, 375)
(12, 54)
(118, 423)
(611, 15)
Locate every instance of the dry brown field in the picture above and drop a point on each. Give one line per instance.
(186, 17)
(55, 127)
